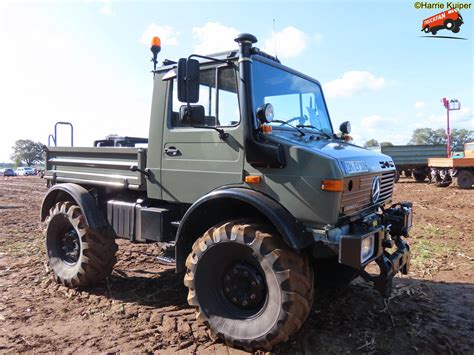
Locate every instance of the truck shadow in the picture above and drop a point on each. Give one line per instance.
(153, 289)
(420, 316)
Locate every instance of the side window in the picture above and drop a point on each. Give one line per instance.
(226, 111)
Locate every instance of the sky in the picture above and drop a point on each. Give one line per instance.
(88, 62)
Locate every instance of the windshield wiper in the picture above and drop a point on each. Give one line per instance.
(283, 122)
(317, 129)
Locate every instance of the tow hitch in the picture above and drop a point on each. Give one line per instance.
(398, 221)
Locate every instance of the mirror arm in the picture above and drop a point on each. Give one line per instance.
(223, 61)
(222, 134)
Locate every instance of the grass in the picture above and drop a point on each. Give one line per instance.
(431, 248)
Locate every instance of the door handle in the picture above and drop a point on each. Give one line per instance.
(172, 151)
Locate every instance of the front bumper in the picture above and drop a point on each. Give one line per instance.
(390, 252)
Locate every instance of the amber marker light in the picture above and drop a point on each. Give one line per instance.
(333, 185)
(253, 179)
(266, 129)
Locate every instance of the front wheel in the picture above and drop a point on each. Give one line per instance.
(78, 255)
(249, 287)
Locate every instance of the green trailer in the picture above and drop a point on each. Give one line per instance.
(412, 160)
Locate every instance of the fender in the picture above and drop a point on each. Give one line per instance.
(78, 194)
(194, 220)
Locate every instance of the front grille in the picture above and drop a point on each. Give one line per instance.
(358, 190)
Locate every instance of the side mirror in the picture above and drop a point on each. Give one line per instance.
(192, 115)
(345, 127)
(188, 80)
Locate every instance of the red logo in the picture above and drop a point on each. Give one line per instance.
(446, 20)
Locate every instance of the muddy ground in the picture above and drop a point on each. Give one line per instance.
(142, 306)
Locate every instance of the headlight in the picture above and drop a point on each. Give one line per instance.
(265, 113)
(367, 248)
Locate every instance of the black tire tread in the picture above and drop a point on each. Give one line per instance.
(98, 248)
(293, 270)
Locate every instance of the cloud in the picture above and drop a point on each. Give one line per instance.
(214, 37)
(353, 82)
(419, 104)
(168, 36)
(458, 119)
(374, 122)
(290, 42)
(105, 6)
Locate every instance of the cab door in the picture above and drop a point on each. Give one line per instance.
(196, 161)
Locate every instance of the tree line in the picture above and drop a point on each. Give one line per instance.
(432, 136)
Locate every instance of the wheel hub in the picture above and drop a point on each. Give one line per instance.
(69, 246)
(243, 286)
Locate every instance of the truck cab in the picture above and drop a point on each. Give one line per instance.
(246, 178)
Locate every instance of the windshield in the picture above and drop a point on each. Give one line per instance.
(295, 100)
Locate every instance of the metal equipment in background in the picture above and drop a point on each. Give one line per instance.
(54, 137)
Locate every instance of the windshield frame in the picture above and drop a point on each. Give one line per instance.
(282, 67)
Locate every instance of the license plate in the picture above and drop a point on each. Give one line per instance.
(352, 167)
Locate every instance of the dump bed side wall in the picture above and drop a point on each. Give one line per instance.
(451, 163)
(414, 155)
(97, 166)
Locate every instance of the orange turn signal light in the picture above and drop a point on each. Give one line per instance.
(253, 179)
(156, 42)
(266, 129)
(333, 185)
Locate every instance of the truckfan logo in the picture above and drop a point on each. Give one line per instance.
(375, 189)
(449, 20)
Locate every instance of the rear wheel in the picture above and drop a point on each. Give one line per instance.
(78, 255)
(464, 179)
(248, 286)
(455, 29)
(419, 177)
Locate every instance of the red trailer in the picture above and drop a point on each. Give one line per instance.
(449, 20)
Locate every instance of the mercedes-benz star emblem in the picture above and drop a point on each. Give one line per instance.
(375, 189)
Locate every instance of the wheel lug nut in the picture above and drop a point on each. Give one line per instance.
(227, 278)
(227, 289)
(254, 284)
(246, 273)
(253, 296)
(234, 299)
(244, 303)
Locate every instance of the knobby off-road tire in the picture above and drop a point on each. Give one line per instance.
(248, 286)
(78, 255)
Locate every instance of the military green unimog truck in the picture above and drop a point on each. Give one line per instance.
(244, 174)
